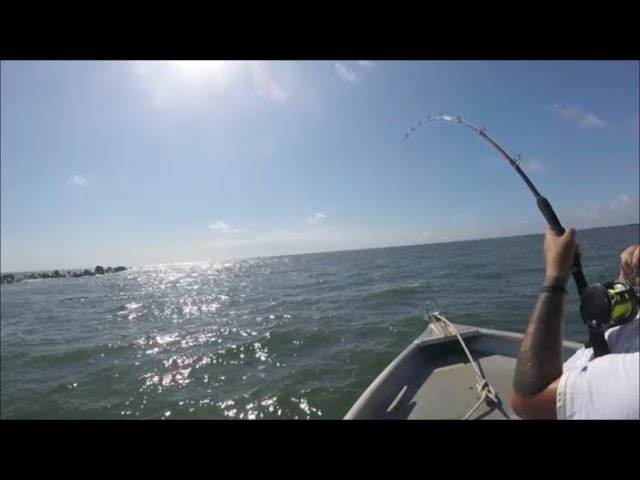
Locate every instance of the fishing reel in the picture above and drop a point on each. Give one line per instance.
(608, 305)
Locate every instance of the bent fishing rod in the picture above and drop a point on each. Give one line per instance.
(598, 303)
(543, 204)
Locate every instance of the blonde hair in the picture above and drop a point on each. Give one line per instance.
(630, 265)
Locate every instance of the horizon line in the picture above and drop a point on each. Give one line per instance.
(323, 251)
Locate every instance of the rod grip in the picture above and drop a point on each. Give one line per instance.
(552, 219)
(550, 216)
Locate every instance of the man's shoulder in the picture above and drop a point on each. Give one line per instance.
(626, 338)
(623, 339)
(606, 387)
(581, 357)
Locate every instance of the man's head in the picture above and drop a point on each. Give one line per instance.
(630, 265)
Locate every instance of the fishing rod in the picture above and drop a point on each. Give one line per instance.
(543, 204)
(601, 306)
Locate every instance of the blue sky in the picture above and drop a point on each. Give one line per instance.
(155, 162)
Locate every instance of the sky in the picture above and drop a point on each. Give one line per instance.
(139, 162)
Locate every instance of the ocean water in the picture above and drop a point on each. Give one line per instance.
(295, 337)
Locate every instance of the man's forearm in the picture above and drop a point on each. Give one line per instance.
(540, 359)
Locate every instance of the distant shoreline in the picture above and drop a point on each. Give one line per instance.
(10, 278)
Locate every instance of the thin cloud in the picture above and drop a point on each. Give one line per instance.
(591, 120)
(623, 203)
(365, 63)
(222, 227)
(460, 216)
(345, 73)
(78, 180)
(266, 85)
(534, 165)
(427, 236)
(315, 219)
(297, 240)
(583, 118)
(622, 199)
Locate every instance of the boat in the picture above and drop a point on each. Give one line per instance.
(451, 371)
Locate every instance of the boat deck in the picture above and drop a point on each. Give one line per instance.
(449, 391)
(433, 378)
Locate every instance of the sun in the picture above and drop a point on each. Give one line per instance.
(199, 68)
(201, 73)
(185, 83)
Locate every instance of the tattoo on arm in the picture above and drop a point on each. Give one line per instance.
(540, 360)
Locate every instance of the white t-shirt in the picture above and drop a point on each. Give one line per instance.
(623, 339)
(607, 387)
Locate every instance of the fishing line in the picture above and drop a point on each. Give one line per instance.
(598, 265)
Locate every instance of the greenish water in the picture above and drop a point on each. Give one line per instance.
(284, 337)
